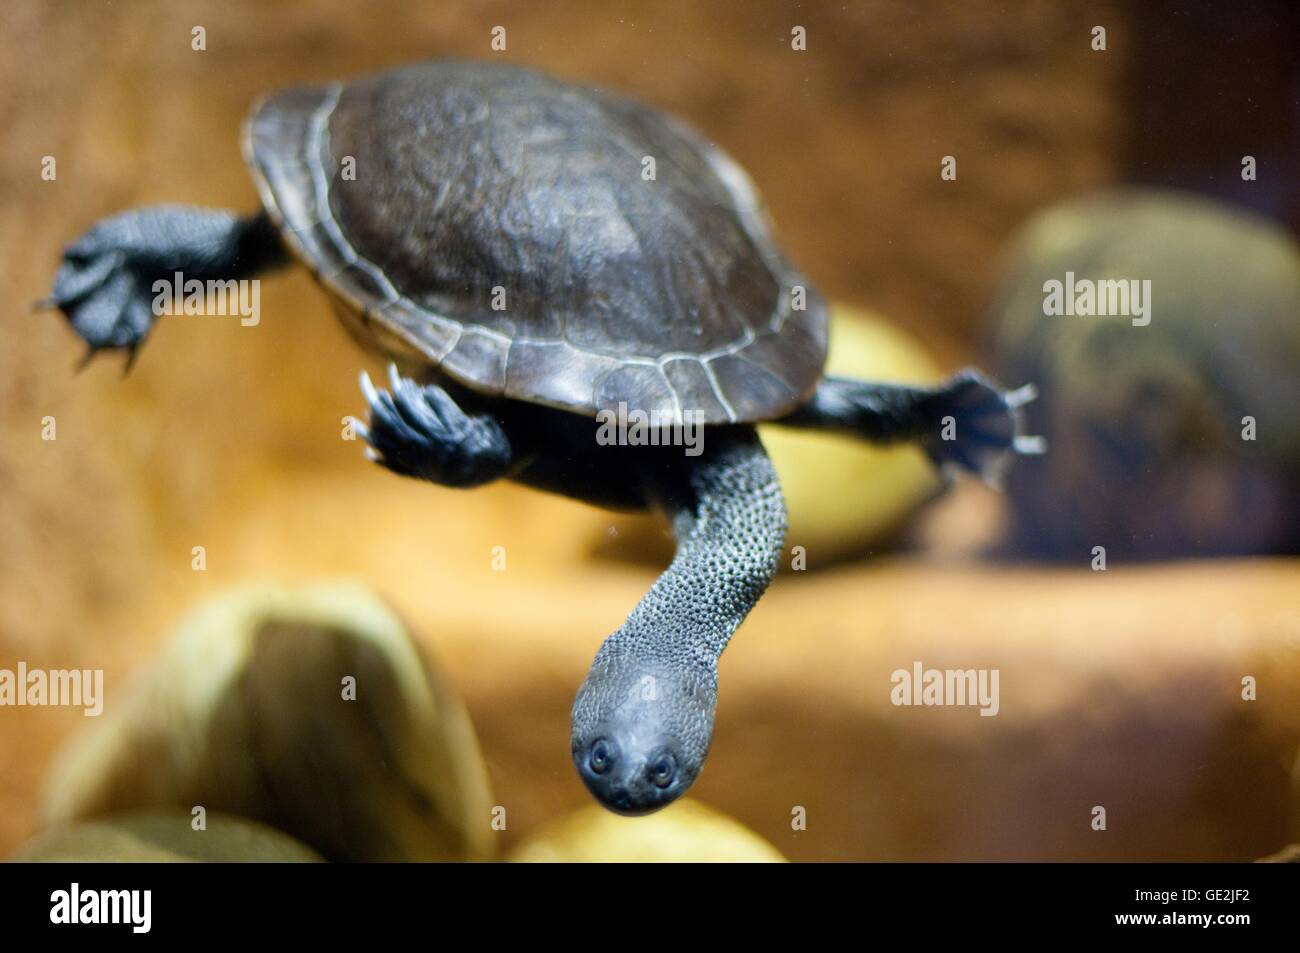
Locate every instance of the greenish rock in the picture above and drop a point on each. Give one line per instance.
(1148, 416)
(164, 837)
(310, 709)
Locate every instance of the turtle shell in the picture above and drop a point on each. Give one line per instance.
(540, 241)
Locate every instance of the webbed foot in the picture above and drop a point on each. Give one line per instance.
(975, 425)
(420, 431)
(105, 286)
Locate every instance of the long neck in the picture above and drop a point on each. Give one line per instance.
(729, 520)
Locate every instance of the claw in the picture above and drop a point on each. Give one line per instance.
(394, 379)
(85, 361)
(949, 472)
(368, 389)
(995, 471)
(1021, 395)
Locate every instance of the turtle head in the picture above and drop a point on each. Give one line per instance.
(640, 733)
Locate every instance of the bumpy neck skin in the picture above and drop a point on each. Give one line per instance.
(643, 719)
(730, 523)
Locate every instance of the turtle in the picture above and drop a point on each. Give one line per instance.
(534, 257)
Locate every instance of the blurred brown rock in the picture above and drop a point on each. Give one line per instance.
(1147, 415)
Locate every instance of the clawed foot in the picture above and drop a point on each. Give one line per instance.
(102, 287)
(105, 285)
(421, 431)
(979, 427)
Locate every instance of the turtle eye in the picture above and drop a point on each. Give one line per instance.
(600, 757)
(663, 770)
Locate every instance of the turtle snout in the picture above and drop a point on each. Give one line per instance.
(628, 781)
(640, 734)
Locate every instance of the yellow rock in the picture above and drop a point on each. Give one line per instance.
(248, 712)
(164, 837)
(846, 496)
(685, 832)
(1287, 855)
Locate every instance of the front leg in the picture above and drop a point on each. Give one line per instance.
(968, 421)
(105, 286)
(421, 431)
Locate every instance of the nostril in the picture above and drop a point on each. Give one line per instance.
(620, 798)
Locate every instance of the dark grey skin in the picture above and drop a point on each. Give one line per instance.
(663, 294)
(105, 284)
